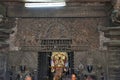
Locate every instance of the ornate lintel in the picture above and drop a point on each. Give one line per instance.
(53, 48)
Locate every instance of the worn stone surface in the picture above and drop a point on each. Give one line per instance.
(23, 58)
(2, 10)
(82, 31)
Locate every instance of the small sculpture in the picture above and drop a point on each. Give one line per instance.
(89, 68)
(89, 65)
(115, 15)
(23, 74)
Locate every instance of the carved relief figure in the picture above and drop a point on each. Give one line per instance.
(115, 16)
(59, 62)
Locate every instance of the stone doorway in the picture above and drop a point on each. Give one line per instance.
(44, 65)
(48, 47)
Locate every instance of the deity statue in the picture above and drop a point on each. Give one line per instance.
(59, 62)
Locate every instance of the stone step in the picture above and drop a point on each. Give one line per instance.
(112, 43)
(114, 78)
(114, 51)
(112, 34)
(7, 23)
(117, 53)
(114, 73)
(113, 48)
(4, 45)
(113, 55)
(114, 70)
(3, 33)
(3, 42)
(113, 59)
(104, 29)
(5, 26)
(114, 63)
(7, 31)
(114, 66)
(4, 37)
(118, 76)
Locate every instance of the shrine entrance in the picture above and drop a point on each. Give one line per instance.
(49, 47)
(47, 65)
(55, 56)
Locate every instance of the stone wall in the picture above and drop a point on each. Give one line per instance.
(23, 58)
(82, 31)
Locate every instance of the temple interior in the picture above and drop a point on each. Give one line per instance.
(59, 39)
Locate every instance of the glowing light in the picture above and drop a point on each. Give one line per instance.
(56, 4)
(45, 0)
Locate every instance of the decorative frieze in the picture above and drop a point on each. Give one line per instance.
(54, 48)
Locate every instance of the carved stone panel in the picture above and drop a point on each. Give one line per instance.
(82, 31)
